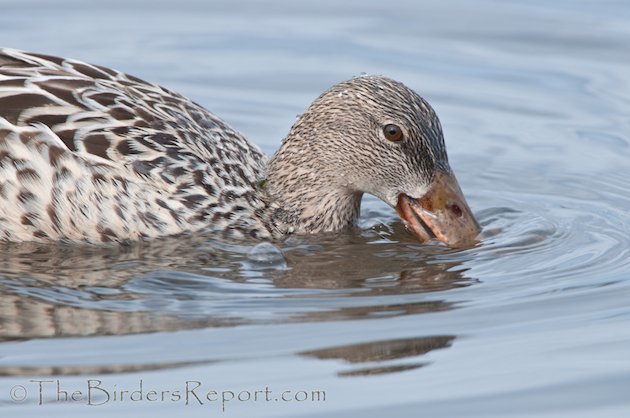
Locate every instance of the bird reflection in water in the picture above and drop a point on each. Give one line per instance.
(379, 352)
(52, 291)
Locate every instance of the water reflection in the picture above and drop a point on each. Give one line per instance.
(535, 109)
(92, 370)
(186, 282)
(380, 352)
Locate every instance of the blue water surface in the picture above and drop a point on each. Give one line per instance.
(534, 99)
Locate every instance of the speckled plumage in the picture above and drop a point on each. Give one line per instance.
(88, 153)
(91, 154)
(337, 151)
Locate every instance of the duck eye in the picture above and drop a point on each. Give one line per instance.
(393, 132)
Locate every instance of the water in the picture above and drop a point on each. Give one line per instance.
(535, 321)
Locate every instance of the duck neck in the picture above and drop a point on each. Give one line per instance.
(305, 198)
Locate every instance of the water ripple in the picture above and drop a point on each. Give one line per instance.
(576, 233)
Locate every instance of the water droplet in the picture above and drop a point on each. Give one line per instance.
(267, 255)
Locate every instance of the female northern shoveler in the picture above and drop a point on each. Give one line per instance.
(91, 154)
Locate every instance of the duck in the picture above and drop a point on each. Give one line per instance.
(91, 154)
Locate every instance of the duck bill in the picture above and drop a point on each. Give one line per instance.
(442, 214)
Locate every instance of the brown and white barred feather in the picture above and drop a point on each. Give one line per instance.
(88, 153)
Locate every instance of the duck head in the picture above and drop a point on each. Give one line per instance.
(368, 135)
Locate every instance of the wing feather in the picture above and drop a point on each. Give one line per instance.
(112, 126)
